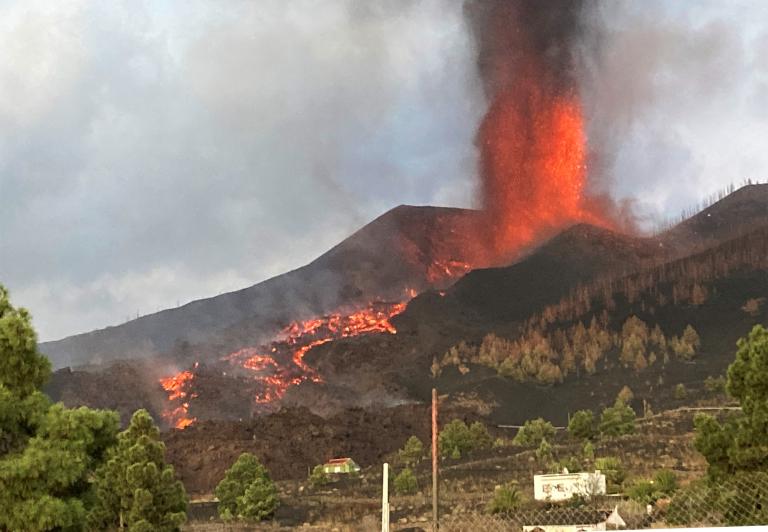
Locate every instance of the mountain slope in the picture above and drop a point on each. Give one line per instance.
(395, 252)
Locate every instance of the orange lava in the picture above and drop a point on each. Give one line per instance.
(177, 388)
(298, 338)
(533, 152)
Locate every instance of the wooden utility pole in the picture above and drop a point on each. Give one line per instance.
(435, 523)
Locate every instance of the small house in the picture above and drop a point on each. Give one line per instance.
(561, 487)
(340, 466)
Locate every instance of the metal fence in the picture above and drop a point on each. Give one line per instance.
(735, 500)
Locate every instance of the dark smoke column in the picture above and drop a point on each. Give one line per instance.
(531, 140)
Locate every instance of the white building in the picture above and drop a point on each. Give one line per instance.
(561, 487)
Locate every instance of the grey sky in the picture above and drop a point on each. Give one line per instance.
(157, 152)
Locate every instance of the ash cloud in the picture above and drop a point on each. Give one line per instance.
(154, 153)
(675, 96)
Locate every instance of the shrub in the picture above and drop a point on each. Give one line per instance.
(643, 491)
(405, 482)
(715, 384)
(680, 391)
(480, 437)
(544, 452)
(582, 425)
(412, 452)
(613, 470)
(319, 477)
(506, 499)
(666, 482)
(533, 432)
(572, 464)
(588, 451)
(617, 420)
(455, 439)
(246, 491)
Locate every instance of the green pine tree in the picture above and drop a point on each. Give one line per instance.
(246, 491)
(136, 489)
(47, 452)
(739, 444)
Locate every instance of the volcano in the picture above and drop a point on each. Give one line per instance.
(404, 251)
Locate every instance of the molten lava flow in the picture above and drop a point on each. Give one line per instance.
(533, 150)
(177, 387)
(281, 365)
(442, 270)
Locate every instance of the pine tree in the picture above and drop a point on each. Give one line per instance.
(739, 443)
(136, 489)
(246, 491)
(47, 452)
(412, 452)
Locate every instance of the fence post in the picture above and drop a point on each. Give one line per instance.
(435, 521)
(385, 499)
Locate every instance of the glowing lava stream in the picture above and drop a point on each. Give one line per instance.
(280, 364)
(176, 387)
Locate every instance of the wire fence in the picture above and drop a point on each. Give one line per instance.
(735, 500)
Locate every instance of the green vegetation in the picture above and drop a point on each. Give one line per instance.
(582, 425)
(680, 392)
(506, 499)
(533, 432)
(664, 484)
(715, 385)
(136, 488)
(614, 472)
(456, 438)
(738, 444)
(405, 482)
(617, 420)
(412, 452)
(318, 477)
(544, 452)
(246, 491)
(48, 452)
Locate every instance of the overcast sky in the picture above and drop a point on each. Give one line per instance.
(156, 152)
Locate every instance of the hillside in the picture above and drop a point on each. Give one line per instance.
(582, 274)
(405, 248)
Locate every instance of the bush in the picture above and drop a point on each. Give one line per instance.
(480, 437)
(318, 477)
(680, 392)
(643, 491)
(613, 470)
(582, 425)
(246, 491)
(455, 439)
(506, 499)
(715, 385)
(405, 482)
(544, 452)
(412, 452)
(617, 420)
(533, 432)
(666, 482)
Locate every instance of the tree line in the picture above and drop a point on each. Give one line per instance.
(549, 356)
